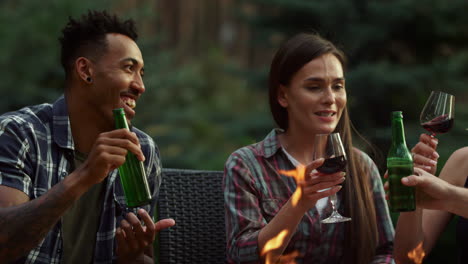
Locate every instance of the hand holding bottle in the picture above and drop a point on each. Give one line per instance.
(132, 171)
(108, 153)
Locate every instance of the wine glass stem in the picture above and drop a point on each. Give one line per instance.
(333, 201)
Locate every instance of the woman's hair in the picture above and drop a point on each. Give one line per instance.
(357, 192)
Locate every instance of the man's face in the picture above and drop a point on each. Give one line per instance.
(117, 78)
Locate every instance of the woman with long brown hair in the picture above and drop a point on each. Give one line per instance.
(273, 218)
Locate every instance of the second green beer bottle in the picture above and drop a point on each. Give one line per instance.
(399, 165)
(132, 172)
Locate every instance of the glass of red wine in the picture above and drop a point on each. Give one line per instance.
(438, 113)
(329, 147)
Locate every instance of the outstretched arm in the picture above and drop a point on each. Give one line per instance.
(440, 197)
(435, 193)
(421, 227)
(447, 192)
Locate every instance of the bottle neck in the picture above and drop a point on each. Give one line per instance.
(398, 132)
(120, 121)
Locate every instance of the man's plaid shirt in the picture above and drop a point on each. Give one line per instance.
(37, 151)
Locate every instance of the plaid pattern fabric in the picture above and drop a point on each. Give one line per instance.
(37, 151)
(254, 192)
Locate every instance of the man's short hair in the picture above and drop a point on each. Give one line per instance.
(86, 37)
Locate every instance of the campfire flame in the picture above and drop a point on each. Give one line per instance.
(276, 242)
(299, 175)
(417, 254)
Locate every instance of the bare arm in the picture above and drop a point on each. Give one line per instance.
(24, 223)
(440, 197)
(447, 192)
(409, 232)
(421, 226)
(444, 195)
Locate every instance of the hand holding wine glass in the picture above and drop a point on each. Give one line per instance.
(329, 147)
(438, 113)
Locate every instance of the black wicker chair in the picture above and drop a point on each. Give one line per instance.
(194, 199)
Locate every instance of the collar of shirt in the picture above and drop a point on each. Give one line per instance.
(270, 145)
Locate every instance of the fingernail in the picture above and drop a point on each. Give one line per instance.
(435, 141)
(404, 180)
(427, 168)
(314, 177)
(433, 162)
(435, 154)
(343, 173)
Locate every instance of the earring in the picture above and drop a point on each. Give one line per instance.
(89, 80)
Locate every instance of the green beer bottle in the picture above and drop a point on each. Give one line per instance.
(399, 165)
(132, 172)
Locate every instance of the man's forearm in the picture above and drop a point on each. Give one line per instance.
(23, 226)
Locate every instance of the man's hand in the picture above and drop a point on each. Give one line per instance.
(108, 153)
(133, 238)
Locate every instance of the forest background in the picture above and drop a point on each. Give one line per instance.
(206, 66)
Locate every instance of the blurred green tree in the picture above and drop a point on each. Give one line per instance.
(29, 50)
(201, 111)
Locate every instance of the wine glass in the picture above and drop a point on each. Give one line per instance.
(329, 147)
(438, 113)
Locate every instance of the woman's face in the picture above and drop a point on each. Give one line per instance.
(316, 96)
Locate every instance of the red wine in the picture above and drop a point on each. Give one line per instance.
(439, 125)
(333, 165)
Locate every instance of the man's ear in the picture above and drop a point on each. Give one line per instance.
(84, 69)
(282, 97)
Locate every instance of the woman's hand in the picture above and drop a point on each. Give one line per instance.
(424, 153)
(431, 192)
(315, 185)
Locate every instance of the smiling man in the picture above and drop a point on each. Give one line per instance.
(61, 200)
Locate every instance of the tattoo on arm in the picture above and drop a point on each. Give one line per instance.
(23, 226)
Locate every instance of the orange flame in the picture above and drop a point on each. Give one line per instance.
(276, 243)
(417, 254)
(289, 258)
(299, 175)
